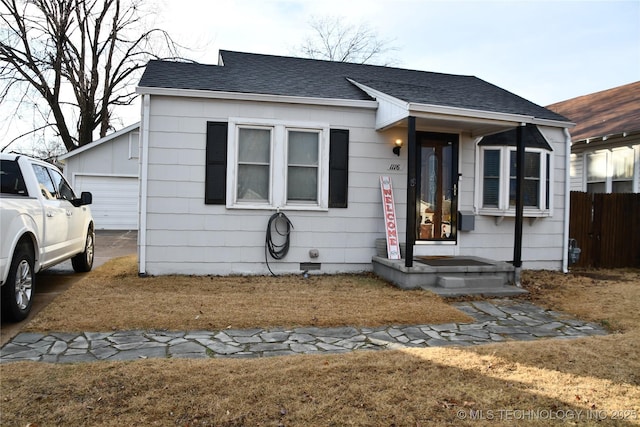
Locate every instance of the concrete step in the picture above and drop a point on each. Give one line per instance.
(496, 291)
(472, 282)
(488, 285)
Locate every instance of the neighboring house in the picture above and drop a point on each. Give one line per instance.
(108, 168)
(605, 150)
(224, 147)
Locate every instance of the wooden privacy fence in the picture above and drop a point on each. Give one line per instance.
(607, 229)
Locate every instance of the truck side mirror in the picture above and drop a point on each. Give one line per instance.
(86, 198)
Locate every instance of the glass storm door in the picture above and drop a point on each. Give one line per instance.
(438, 186)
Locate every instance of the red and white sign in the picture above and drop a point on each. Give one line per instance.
(391, 228)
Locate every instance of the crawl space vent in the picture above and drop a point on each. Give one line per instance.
(308, 266)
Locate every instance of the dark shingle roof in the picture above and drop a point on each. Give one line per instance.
(300, 77)
(608, 112)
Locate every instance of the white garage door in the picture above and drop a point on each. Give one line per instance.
(115, 200)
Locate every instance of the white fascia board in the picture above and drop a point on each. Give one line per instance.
(256, 97)
(97, 142)
(487, 115)
(391, 110)
(469, 113)
(553, 123)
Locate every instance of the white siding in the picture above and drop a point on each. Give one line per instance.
(577, 172)
(186, 236)
(109, 158)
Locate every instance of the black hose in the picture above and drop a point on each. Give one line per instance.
(277, 251)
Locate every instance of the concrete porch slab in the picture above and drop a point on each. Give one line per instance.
(454, 276)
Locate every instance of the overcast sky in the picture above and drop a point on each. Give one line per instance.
(544, 51)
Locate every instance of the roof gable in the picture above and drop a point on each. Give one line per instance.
(301, 77)
(98, 142)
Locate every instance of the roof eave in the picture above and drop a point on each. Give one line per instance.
(256, 97)
(394, 110)
(487, 115)
(603, 138)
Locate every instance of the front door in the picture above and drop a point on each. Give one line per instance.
(437, 186)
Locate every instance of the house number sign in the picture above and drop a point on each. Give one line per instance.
(389, 207)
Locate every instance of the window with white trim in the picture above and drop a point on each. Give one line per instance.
(496, 173)
(498, 181)
(597, 172)
(303, 150)
(610, 171)
(535, 188)
(278, 165)
(134, 145)
(254, 164)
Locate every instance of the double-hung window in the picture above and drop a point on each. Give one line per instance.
(303, 166)
(254, 164)
(610, 171)
(622, 170)
(497, 176)
(278, 165)
(536, 179)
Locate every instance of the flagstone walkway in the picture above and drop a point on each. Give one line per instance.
(495, 321)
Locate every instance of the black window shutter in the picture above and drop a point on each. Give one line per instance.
(215, 187)
(338, 168)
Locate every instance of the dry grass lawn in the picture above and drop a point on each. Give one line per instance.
(587, 381)
(114, 297)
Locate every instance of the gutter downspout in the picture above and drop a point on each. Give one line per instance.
(567, 201)
(144, 173)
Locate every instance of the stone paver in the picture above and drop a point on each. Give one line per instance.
(495, 321)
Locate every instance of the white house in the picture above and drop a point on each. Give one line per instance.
(225, 147)
(108, 168)
(605, 150)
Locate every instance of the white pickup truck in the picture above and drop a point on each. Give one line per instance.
(42, 223)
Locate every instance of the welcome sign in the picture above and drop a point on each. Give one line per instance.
(389, 207)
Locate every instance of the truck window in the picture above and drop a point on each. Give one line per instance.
(47, 187)
(64, 189)
(11, 179)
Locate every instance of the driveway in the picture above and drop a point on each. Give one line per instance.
(55, 280)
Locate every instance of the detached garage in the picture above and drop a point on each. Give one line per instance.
(108, 168)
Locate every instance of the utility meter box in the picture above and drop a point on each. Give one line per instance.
(574, 251)
(466, 221)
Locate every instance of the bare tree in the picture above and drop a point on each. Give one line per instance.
(76, 60)
(335, 40)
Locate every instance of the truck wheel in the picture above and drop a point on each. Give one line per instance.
(17, 292)
(84, 260)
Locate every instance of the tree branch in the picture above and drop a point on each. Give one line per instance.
(46, 44)
(334, 40)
